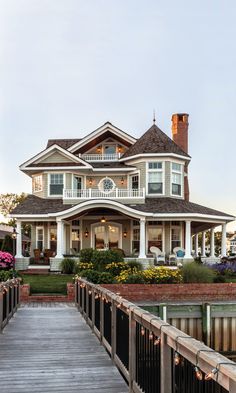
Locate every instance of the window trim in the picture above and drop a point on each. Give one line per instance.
(49, 182)
(181, 179)
(162, 226)
(155, 170)
(33, 185)
(180, 227)
(36, 236)
(106, 192)
(130, 182)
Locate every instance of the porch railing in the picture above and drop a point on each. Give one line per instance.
(100, 157)
(9, 300)
(152, 355)
(117, 193)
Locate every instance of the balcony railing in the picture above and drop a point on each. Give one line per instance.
(100, 157)
(117, 193)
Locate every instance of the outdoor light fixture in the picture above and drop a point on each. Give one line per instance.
(211, 374)
(14, 236)
(86, 232)
(177, 358)
(119, 149)
(198, 373)
(14, 233)
(122, 180)
(90, 181)
(103, 219)
(99, 149)
(125, 233)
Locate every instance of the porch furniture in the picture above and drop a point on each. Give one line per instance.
(179, 252)
(172, 259)
(48, 253)
(159, 255)
(37, 254)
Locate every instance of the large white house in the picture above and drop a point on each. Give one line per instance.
(111, 190)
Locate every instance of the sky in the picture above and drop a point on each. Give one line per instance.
(68, 66)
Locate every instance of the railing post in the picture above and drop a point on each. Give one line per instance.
(132, 350)
(163, 312)
(206, 323)
(232, 386)
(101, 317)
(8, 303)
(93, 308)
(113, 329)
(116, 192)
(166, 369)
(87, 303)
(90, 192)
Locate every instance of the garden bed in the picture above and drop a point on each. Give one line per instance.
(48, 283)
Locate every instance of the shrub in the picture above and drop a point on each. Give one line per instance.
(193, 272)
(83, 266)
(135, 264)
(67, 265)
(102, 258)
(105, 278)
(135, 278)
(7, 274)
(219, 279)
(6, 260)
(115, 268)
(86, 255)
(90, 275)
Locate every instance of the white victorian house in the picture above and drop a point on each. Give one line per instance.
(111, 190)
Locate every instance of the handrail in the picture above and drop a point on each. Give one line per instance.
(9, 300)
(117, 193)
(143, 346)
(101, 157)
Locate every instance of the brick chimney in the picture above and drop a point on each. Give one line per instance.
(180, 137)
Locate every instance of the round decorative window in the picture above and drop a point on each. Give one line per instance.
(106, 185)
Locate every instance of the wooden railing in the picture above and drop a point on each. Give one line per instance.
(152, 355)
(9, 300)
(100, 157)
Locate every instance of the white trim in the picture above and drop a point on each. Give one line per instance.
(36, 235)
(156, 156)
(47, 152)
(52, 168)
(99, 131)
(128, 169)
(162, 171)
(106, 224)
(181, 173)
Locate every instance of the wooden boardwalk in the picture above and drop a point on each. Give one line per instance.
(49, 348)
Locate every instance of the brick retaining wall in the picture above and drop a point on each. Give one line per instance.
(175, 292)
(26, 297)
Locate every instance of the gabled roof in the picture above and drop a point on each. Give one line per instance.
(154, 141)
(64, 143)
(108, 130)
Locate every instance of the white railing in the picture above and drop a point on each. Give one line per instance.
(117, 193)
(100, 157)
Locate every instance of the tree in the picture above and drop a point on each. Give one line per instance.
(8, 202)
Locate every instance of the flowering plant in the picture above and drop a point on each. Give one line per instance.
(6, 260)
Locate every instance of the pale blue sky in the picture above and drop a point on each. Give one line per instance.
(67, 66)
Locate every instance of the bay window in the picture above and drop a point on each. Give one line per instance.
(155, 178)
(176, 179)
(37, 183)
(56, 184)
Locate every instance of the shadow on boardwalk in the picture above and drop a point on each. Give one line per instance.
(49, 348)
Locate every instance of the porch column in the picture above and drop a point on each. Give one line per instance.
(212, 243)
(60, 239)
(223, 241)
(18, 240)
(196, 244)
(188, 240)
(142, 241)
(203, 244)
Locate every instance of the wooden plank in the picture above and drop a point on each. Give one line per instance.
(51, 349)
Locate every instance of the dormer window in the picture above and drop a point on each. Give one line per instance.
(155, 178)
(56, 184)
(109, 149)
(176, 179)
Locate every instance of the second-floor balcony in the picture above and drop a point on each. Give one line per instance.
(95, 193)
(100, 157)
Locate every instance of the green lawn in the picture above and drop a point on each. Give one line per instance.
(52, 283)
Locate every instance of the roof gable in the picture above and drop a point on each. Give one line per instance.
(154, 141)
(108, 130)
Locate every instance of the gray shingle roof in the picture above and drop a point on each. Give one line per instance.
(154, 141)
(65, 143)
(35, 205)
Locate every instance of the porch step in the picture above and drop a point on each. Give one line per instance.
(37, 269)
(47, 298)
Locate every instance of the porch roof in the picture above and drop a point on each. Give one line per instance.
(33, 205)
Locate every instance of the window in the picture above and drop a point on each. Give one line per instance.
(56, 183)
(110, 149)
(106, 185)
(53, 237)
(77, 183)
(135, 182)
(175, 238)
(176, 179)
(39, 238)
(75, 235)
(154, 237)
(136, 238)
(37, 183)
(155, 178)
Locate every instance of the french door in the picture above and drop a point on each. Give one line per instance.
(106, 236)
